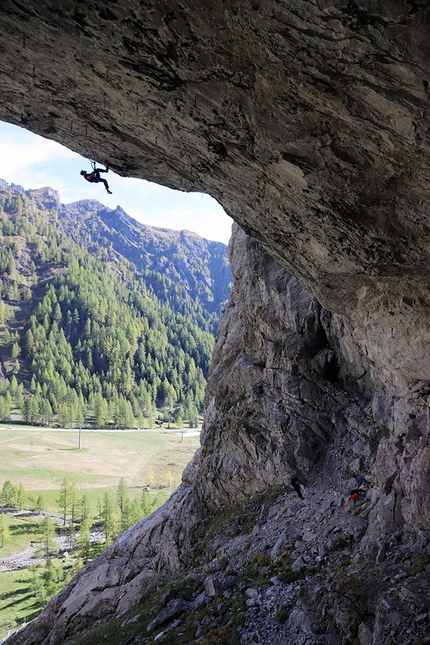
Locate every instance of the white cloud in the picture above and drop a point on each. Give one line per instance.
(19, 158)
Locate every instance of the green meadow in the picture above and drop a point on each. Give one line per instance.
(18, 601)
(40, 459)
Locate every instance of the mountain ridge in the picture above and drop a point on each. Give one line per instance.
(79, 321)
(139, 243)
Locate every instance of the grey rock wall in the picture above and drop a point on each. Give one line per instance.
(291, 389)
(308, 121)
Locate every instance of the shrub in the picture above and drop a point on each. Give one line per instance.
(282, 615)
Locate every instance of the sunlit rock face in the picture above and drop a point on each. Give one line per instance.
(308, 121)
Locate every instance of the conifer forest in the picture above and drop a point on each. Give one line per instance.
(90, 338)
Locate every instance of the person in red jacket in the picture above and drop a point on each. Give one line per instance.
(356, 496)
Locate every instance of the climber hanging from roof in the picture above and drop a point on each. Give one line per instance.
(94, 176)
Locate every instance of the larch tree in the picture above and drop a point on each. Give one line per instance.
(64, 498)
(4, 528)
(122, 494)
(48, 533)
(21, 496)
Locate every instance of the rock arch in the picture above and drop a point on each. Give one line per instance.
(308, 121)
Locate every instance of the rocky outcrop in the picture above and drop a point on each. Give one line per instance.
(290, 390)
(308, 121)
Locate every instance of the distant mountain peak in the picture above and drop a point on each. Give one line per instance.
(184, 257)
(49, 196)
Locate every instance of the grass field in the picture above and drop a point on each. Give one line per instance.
(42, 458)
(22, 529)
(21, 596)
(17, 600)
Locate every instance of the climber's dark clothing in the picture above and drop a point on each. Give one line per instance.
(94, 177)
(296, 485)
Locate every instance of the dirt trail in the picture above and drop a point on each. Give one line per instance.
(21, 560)
(29, 556)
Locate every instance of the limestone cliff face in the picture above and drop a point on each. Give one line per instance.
(290, 390)
(307, 120)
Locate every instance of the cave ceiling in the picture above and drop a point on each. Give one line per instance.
(307, 120)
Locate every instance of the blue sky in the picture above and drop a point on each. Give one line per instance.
(34, 162)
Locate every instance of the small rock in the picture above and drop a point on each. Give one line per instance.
(228, 581)
(175, 607)
(251, 593)
(279, 543)
(213, 587)
(168, 596)
(130, 621)
(297, 564)
(381, 554)
(359, 530)
(200, 631)
(201, 598)
(392, 603)
(365, 634)
(394, 618)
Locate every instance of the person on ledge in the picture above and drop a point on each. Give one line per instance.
(94, 177)
(296, 485)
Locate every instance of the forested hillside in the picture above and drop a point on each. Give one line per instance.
(89, 337)
(201, 267)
